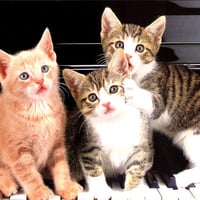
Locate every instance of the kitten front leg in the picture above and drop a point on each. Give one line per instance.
(149, 101)
(25, 170)
(137, 96)
(64, 185)
(94, 175)
(8, 184)
(140, 162)
(134, 176)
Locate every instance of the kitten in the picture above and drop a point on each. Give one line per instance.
(169, 93)
(32, 124)
(113, 138)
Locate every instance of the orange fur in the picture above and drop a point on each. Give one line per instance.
(32, 124)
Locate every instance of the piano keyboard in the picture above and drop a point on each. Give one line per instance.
(154, 188)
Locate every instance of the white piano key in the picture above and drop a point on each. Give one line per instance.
(150, 193)
(22, 196)
(18, 196)
(117, 194)
(142, 192)
(184, 194)
(165, 192)
(55, 197)
(85, 196)
(168, 193)
(132, 194)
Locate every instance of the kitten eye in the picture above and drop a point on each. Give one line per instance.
(113, 89)
(92, 97)
(119, 44)
(139, 48)
(24, 76)
(44, 69)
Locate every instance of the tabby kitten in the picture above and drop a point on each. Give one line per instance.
(169, 93)
(113, 138)
(32, 124)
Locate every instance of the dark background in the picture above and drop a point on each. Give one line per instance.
(23, 22)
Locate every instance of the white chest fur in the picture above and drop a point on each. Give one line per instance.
(118, 137)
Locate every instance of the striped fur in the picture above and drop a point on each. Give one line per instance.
(107, 144)
(173, 92)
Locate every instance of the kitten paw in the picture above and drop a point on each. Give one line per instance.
(71, 191)
(101, 193)
(98, 188)
(42, 193)
(133, 183)
(8, 186)
(130, 87)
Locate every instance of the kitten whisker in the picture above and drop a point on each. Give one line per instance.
(82, 124)
(63, 91)
(101, 60)
(77, 115)
(64, 87)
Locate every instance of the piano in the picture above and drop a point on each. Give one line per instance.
(75, 28)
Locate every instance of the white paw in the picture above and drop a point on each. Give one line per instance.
(130, 88)
(138, 97)
(98, 188)
(101, 192)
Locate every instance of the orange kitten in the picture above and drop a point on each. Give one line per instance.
(32, 124)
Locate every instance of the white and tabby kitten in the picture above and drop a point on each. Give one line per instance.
(170, 94)
(112, 138)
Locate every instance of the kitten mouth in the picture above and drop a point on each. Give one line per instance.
(130, 66)
(108, 111)
(42, 89)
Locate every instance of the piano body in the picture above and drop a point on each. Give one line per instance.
(75, 28)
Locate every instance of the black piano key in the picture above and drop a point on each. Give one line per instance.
(192, 185)
(109, 181)
(169, 180)
(151, 180)
(121, 179)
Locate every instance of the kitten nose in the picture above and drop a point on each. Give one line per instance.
(106, 105)
(130, 66)
(128, 56)
(39, 81)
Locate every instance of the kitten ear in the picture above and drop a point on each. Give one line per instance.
(46, 45)
(108, 21)
(5, 59)
(157, 28)
(119, 63)
(73, 81)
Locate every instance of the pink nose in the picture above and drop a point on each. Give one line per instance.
(39, 81)
(128, 56)
(106, 105)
